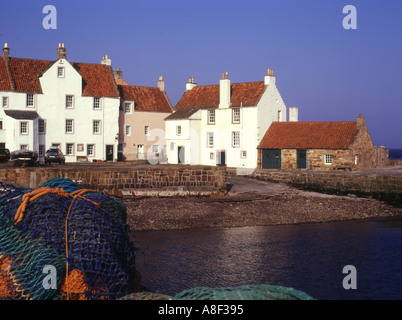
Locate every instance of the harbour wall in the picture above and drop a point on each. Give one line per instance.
(384, 186)
(161, 180)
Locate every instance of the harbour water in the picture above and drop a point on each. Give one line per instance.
(308, 257)
(395, 153)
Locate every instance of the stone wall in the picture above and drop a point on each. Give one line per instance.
(153, 178)
(341, 159)
(363, 147)
(387, 187)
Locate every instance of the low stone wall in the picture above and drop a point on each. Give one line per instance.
(126, 181)
(385, 187)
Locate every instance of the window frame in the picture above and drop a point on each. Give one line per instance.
(128, 134)
(72, 101)
(72, 149)
(26, 132)
(147, 129)
(42, 125)
(93, 150)
(7, 100)
(97, 103)
(99, 127)
(72, 126)
(30, 98)
(211, 114)
(235, 134)
(209, 136)
(233, 116)
(328, 159)
(62, 74)
(130, 104)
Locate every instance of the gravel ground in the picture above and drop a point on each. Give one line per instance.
(251, 203)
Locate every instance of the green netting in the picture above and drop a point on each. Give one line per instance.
(248, 292)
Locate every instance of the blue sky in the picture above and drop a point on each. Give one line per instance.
(328, 72)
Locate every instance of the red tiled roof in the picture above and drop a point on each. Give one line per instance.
(146, 98)
(245, 93)
(25, 73)
(97, 79)
(309, 135)
(5, 84)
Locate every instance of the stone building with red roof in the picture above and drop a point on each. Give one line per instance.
(70, 105)
(327, 145)
(223, 124)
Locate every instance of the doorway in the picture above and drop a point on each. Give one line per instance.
(271, 158)
(180, 154)
(109, 153)
(140, 152)
(301, 159)
(221, 158)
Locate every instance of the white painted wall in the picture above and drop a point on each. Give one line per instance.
(10, 135)
(270, 103)
(52, 108)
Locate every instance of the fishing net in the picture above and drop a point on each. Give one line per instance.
(247, 292)
(80, 233)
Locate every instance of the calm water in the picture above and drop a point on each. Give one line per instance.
(395, 153)
(307, 257)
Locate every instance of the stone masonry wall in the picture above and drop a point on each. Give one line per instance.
(194, 179)
(387, 187)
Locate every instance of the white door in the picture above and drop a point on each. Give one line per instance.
(140, 152)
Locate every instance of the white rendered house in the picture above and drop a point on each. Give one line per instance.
(223, 124)
(74, 106)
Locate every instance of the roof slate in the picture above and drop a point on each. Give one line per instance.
(309, 135)
(21, 114)
(146, 98)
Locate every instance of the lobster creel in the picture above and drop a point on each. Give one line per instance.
(61, 241)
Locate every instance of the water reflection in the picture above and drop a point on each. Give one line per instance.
(306, 257)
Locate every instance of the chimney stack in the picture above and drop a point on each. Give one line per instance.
(293, 114)
(117, 74)
(61, 52)
(161, 84)
(269, 77)
(224, 91)
(106, 60)
(361, 120)
(190, 84)
(6, 52)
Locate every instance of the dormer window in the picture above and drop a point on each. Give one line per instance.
(60, 72)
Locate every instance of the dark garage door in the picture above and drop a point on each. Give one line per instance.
(271, 158)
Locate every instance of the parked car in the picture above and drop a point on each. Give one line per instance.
(4, 155)
(54, 155)
(24, 157)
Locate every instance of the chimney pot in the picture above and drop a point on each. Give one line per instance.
(61, 52)
(161, 83)
(224, 91)
(190, 84)
(6, 52)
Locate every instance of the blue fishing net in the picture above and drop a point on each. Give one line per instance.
(98, 241)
